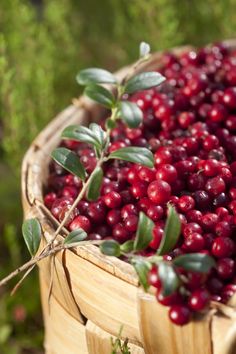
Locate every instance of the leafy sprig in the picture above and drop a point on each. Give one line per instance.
(112, 98)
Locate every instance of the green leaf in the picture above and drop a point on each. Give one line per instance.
(131, 114)
(94, 76)
(144, 49)
(136, 154)
(171, 232)
(99, 133)
(144, 81)
(100, 94)
(75, 236)
(144, 232)
(168, 277)
(110, 248)
(32, 233)
(82, 134)
(195, 262)
(69, 161)
(94, 187)
(127, 246)
(142, 268)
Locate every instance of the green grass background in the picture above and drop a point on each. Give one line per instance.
(43, 44)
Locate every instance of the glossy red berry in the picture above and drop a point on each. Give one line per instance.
(179, 314)
(167, 173)
(199, 300)
(159, 192)
(112, 200)
(80, 222)
(222, 247)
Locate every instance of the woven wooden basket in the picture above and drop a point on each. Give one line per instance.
(94, 295)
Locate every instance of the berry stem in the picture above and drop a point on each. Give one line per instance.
(46, 253)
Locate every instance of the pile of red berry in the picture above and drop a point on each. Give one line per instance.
(190, 126)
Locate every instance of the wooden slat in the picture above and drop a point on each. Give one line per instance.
(63, 333)
(160, 336)
(99, 341)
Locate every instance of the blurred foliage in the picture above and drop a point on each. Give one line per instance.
(42, 46)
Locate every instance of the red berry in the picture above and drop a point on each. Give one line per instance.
(199, 300)
(155, 212)
(112, 200)
(159, 192)
(222, 247)
(167, 173)
(186, 203)
(80, 222)
(225, 268)
(179, 314)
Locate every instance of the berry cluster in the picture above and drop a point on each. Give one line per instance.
(190, 126)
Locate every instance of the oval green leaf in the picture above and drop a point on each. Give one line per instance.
(98, 132)
(94, 76)
(127, 246)
(100, 95)
(144, 81)
(82, 134)
(169, 278)
(94, 187)
(69, 161)
(144, 232)
(171, 232)
(32, 233)
(110, 248)
(75, 236)
(195, 262)
(138, 155)
(131, 114)
(142, 268)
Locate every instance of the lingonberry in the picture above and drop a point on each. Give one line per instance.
(112, 200)
(113, 217)
(155, 212)
(210, 168)
(146, 174)
(217, 113)
(191, 228)
(169, 300)
(82, 222)
(229, 97)
(194, 216)
(215, 186)
(225, 268)
(186, 203)
(179, 314)
(199, 300)
(139, 189)
(202, 199)
(120, 233)
(167, 173)
(223, 229)
(159, 192)
(131, 223)
(222, 247)
(153, 278)
(162, 156)
(49, 199)
(194, 243)
(157, 233)
(209, 221)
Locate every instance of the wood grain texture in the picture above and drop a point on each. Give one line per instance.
(99, 341)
